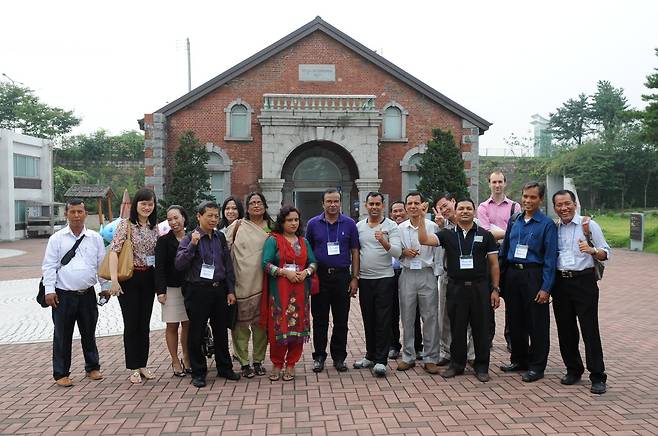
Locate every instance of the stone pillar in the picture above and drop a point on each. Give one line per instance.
(272, 190)
(154, 153)
(470, 145)
(364, 186)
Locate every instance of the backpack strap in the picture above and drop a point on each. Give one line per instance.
(586, 231)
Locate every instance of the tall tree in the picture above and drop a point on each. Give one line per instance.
(649, 119)
(442, 168)
(102, 147)
(190, 181)
(571, 122)
(21, 110)
(608, 110)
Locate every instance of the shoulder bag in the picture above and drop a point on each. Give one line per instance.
(125, 266)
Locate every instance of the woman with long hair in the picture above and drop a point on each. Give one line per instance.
(288, 260)
(168, 282)
(231, 210)
(136, 293)
(246, 238)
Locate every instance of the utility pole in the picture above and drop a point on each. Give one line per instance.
(189, 65)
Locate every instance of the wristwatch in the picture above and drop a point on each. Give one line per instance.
(497, 289)
(356, 277)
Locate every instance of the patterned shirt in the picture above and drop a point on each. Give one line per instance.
(143, 239)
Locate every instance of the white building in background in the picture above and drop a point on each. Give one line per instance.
(26, 175)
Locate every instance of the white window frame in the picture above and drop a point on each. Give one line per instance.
(407, 167)
(224, 167)
(227, 112)
(403, 122)
(34, 160)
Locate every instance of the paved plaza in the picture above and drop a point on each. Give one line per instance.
(355, 402)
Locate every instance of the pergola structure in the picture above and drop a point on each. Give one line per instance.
(100, 192)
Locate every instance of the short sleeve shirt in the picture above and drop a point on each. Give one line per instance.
(478, 242)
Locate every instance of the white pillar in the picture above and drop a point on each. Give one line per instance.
(365, 186)
(272, 190)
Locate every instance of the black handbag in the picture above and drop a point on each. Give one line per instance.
(41, 294)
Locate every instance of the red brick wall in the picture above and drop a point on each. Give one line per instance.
(279, 74)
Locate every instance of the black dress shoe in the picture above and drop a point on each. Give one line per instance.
(598, 388)
(532, 376)
(340, 366)
(198, 382)
(451, 372)
(229, 374)
(513, 367)
(318, 364)
(482, 376)
(570, 379)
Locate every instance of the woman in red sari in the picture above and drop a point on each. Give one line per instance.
(288, 261)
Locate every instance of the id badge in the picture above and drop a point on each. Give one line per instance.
(150, 260)
(207, 271)
(333, 248)
(290, 267)
(478, 238)
(415, 264)
(521, 251)
(567, 258)
(465, 262)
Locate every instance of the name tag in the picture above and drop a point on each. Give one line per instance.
(333, 248)
(207, 271)
(521, 251)
(478, 238)
(415, 264)
(465, 262)
(150, 260)
(567, 258)
(290, 267)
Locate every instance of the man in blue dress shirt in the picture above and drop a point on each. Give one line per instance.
(530, 251)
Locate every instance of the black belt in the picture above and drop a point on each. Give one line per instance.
(206, 284)
(471, 282)
(332, 270)
(526, 265)
(571, 274)
(76, 291)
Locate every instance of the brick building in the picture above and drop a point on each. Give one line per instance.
(316, 109)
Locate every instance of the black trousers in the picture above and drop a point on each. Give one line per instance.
(576, 301)
(376, 300)
(203, 303)
(136, 307)
(528, 320)
(395, 320)
(74, 307)
(469, 304)
(334, 295)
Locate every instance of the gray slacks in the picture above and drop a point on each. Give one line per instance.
(418, 289)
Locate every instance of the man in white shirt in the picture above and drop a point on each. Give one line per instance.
(69, 278)
(379, 239)
(418, 287)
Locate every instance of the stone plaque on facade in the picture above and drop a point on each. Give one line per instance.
(317, 73)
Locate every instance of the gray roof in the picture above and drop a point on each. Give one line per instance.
(318, 24)
(89, 191)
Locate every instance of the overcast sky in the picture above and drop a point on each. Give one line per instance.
(112, 62)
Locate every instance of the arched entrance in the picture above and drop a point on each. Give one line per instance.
(314, 167)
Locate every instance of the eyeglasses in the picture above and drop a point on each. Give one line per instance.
(255, 203)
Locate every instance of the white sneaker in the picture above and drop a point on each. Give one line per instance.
(363, 363)
(379, 370)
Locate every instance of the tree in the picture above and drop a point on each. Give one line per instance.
(649, 120)
(571, 122)
(21, 110)
(63, 179)
(608, 109)
(190, 181)
(102, 147)
(441, 168)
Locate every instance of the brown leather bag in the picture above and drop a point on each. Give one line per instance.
(125, 267)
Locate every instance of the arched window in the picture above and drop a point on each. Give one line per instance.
(394, 123)
(219, 170)
(409, 168)
(317, 169)
(238, 121)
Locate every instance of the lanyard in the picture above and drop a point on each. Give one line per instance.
(461, 253)
(527, 237)
(212, 250)
(337, 228)
(573, 235)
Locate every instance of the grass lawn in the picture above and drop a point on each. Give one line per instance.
(616, 227)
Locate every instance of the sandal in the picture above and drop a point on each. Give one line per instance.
(135, 377)
(247, 371)
(146, 373)
(275, 375)
(177, 373)
(289, 373)
(259, 369)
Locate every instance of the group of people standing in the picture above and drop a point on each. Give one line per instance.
(239, 269)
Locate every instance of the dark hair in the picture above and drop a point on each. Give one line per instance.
(448, 196)
(413, 194)
(564, 192)
(540, 187)
(396, 202)
(332, 191)
(182, 212)
(266, 216)
(468, 200)
(208, 204)
(374, 194)
(497, 172)
(75, 202)
(144, 194)
(223, 222)
(281, 219)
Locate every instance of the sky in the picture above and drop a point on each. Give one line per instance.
(112, 62)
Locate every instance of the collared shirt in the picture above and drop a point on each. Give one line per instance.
(497, 214)
(209, 250)
(540, 235)
(375, 261)
(143, 238)
(429, 257)
(81, 272)
(569, 256)
(477, 242)
(319, 231)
